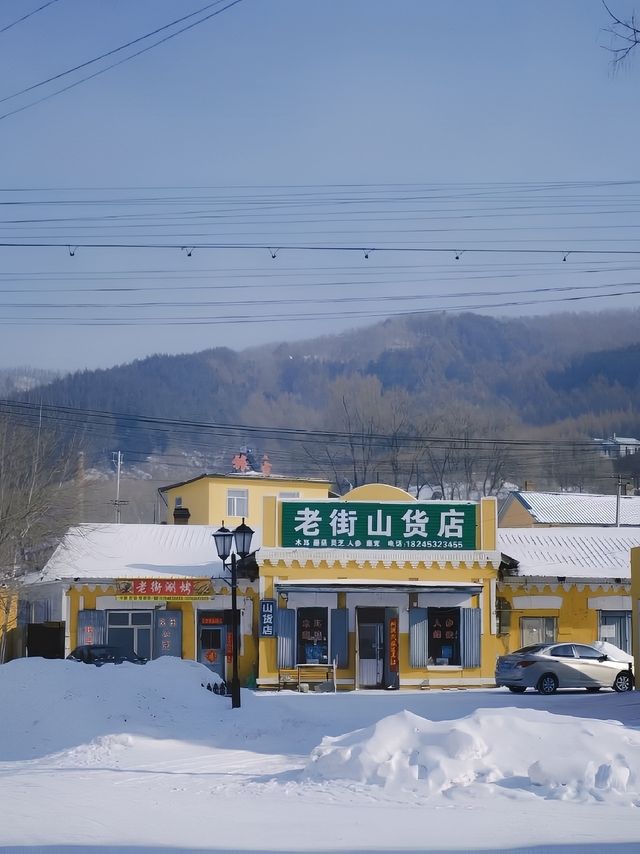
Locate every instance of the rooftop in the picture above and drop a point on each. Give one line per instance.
(577, 508)
(107, 551)
(248, 476)
(597, 552)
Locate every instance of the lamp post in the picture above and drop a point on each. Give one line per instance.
(225, 540)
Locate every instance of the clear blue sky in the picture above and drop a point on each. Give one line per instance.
(295, 92)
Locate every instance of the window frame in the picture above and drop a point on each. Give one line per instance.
(545, 623)
(235, 495)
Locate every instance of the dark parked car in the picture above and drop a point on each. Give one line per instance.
(547, 667)
(99, 654)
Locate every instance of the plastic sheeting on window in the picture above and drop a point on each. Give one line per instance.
(340, 636)
(418, 637)
(470, 631)
(286, 627)
(92, 627)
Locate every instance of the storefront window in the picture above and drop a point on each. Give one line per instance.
(537, 630)
(313, 636)
(444, 636)
(130, 630)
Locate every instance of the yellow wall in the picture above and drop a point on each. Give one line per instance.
(377, 570)
(8, 623)
(575, 620)
(373, 568)
(206, 497)
(514, 515)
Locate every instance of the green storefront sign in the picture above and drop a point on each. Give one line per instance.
(436, 525)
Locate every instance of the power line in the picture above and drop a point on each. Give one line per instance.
(108, 53)
(119, 62)
(72, 415)
(28, 15)
(323, 247)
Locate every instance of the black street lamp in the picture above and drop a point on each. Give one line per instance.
(224, 540)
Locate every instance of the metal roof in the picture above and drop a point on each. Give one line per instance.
(597, 552)
(578, 508)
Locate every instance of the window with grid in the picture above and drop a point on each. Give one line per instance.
(237, 502)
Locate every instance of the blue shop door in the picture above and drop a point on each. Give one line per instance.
(212, 636)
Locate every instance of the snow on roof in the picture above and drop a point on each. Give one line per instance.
(570, 552)
(135, 551)
(579, 508)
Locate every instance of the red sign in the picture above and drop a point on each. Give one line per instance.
(229, 647)
(164, 588)
(393, 644)
(211, 621)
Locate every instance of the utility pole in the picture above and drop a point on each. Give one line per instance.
(117, 460)
(618, 494)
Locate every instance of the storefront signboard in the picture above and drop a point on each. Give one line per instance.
(267, 618)
(229, 646)
(164, 589)
(168, 633)
(436, 525)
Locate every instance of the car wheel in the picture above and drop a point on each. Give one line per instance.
(517, 689)
(547, 684)
(593, 689)
(623, 681)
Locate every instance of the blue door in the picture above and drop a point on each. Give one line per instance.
(212, 637)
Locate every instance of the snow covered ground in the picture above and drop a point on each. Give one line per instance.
(128, 758)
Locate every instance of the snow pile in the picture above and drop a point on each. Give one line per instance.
(553, 756)
(59, 704)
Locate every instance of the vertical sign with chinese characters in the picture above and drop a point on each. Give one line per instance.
(436, 525)
(267, 618)
(393, 644)
(168, 634)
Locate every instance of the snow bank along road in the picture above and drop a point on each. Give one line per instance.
(127, 758)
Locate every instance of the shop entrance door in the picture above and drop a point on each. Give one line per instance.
(370, 657)
(211, 642)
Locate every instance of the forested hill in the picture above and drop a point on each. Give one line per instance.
(577, 368)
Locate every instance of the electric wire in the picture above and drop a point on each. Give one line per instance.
(28, 15)
(230, 4)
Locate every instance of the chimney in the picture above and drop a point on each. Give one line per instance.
(181, 516)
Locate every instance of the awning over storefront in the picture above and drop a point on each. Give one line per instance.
(349, 585)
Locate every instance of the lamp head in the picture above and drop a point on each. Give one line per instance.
(242, 536)
(223, 539)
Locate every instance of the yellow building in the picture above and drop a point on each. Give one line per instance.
(210, 499)
(530, 509)
(396, 593)
(371, 590)
(155, 589)
(8, 622)
(566, 584)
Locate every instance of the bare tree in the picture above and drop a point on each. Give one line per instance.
(35, 465)
(625, 36)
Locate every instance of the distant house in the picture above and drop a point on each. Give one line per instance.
(560, 509)
(616, 447)
(208, 499)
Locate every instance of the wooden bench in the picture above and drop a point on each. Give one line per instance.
(306, 674)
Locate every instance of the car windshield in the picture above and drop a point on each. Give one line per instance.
(530, 650)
